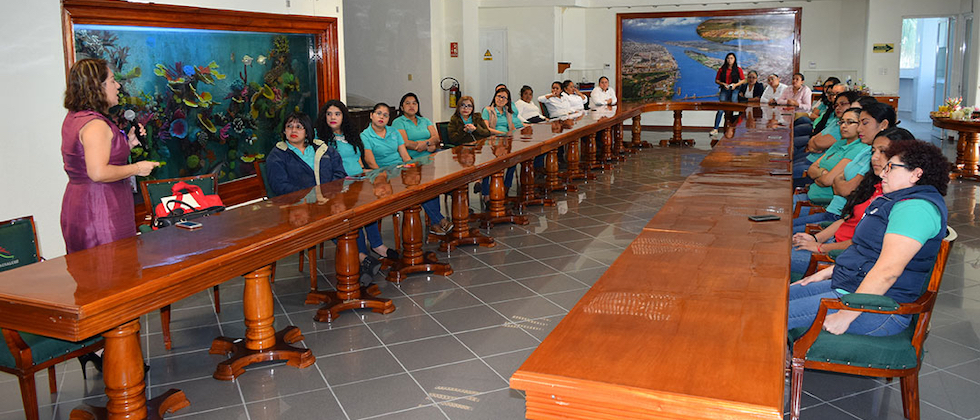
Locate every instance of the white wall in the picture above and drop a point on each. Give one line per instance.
(31, 114)
(531, 37)
(884, 24)
(388, 43)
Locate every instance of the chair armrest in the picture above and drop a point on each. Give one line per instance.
(862, 303)
(813, 228)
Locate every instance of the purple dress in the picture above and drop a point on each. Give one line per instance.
(94, 213)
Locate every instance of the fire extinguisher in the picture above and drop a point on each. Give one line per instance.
(453, 88)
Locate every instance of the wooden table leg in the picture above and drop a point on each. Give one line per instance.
(628, 147)
(496, 211)
(619, 150)
(261, 343)
(591, 152)
(413, 259)
(573, 158)
(462, 234)
(637, 129)
(552, 179)
(350, 294)
(528, 193)
(607, 155)
(678, 137)
(967, 156)
(124, 382)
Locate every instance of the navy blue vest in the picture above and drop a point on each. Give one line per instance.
(855, 262)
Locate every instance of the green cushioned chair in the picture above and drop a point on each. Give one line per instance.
(899, 355)
(25, 354)
(155, 190)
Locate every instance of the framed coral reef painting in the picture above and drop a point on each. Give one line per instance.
(676, 55)
(212, 87)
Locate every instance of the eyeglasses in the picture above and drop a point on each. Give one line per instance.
(847, 122)
(843, 104)
(504, 97)
(891, 165)
(466, 106)
(295, 127)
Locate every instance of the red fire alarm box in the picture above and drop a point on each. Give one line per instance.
(454, 49)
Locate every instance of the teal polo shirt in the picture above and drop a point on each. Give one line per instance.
(839, 151)
(415, 132)
(502, 120)
(385, 149)
(307, 155)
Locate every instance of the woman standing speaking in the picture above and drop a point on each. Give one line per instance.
(730, 76)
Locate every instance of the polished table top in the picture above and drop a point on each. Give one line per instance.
(77, 296)
(690, 320)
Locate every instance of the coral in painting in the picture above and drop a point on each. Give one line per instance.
(197, 118)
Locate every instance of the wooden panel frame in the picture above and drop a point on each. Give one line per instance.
(796, 11)
(122, 13)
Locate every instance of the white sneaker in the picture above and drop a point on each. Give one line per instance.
(713, 132)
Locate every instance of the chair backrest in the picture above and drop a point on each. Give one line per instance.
(443, 128)
(544, 110)
(259, 165)
(18, 243)
(154, 190)
(928, 299)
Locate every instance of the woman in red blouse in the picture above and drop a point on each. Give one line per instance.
(730, 76)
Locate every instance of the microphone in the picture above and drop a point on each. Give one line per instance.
(130, 116)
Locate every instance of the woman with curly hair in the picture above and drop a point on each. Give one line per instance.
(98, 203)
(894, 246)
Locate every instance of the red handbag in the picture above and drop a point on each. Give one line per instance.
(180, 208)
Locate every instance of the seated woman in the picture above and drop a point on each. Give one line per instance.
(752, 90)
(385, 147)
(556, 102)
(576, 99)
(464, 125)
(602, 95)
(797, 95)
(500, 119)
(527, 112)
(828, 137)
(774, 89)
(815, 121)
(830, 166)
(421, 137)
(838, 235)
(894, 246)
(301, 161)
(335, 128)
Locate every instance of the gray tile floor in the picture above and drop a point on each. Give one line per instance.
(453, 342)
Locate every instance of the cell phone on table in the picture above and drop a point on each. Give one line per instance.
(188, 225)
(763, 218)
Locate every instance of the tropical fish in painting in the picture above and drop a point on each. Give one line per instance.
(261, 60)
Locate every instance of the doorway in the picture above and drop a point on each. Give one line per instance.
(493, 65)
(924, 73)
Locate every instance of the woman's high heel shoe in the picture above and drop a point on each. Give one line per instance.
(90, 357)
(97, 361)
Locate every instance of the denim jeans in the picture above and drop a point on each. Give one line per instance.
(373, 235)
(799, 223)
(799, 259)
(805, 300)
(724, 96)
(432, 209)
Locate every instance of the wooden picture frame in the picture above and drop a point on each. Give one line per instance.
(660, 84)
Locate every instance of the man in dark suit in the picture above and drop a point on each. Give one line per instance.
(752, 90)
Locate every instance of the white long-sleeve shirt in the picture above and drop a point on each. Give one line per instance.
(556, 105)
(771, 94)
(575, 102)
(526, 111)
(598, 97)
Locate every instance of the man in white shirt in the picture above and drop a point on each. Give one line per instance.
(774, 90)
(602, 95)
(527, 112)
(556, 103)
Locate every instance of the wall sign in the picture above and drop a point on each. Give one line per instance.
(884, 48)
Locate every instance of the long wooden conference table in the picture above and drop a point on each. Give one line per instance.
(104, 290)
(690, 321)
